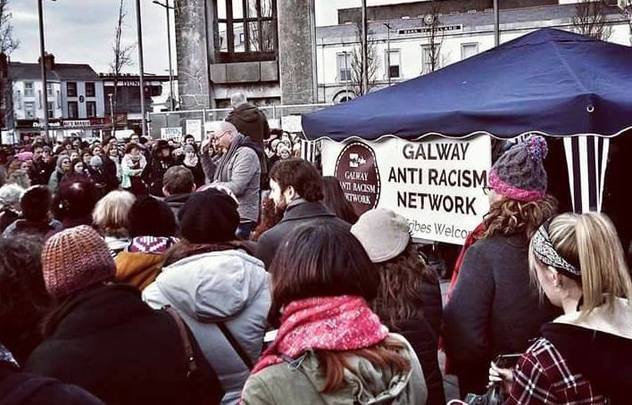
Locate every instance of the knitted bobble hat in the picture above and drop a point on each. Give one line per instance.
(519, 173)
(74, 259)
(209, 216)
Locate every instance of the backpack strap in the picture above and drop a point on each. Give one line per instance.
(235, 344)
(186, 342)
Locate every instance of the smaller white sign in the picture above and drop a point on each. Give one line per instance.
(274, 123)
(291, 123)
(194, 127)
(174, 133)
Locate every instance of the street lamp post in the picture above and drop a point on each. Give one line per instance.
(388, 52)
(496, 24)
(347, 73)
(111, 113)
(139, 33)
(43, 66)
(167, 7)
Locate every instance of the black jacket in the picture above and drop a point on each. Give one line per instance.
(250, 121)
(493, 309)
(109, 342)
(175, 202)
(294, 216)
(109, 174)
(155, 172)
(17, 388)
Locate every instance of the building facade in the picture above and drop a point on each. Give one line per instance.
(73, 99)
(410, 43)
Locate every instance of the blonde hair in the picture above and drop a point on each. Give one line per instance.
(111, 212)
(590, 241)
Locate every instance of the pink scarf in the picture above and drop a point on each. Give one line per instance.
(324, 323)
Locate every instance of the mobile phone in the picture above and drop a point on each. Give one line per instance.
(507, 360)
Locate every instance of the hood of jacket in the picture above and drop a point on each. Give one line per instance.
(599, 346)
(246, 112)
(370, 384)
(213, 286)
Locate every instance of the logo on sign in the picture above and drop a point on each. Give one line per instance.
(356, 169)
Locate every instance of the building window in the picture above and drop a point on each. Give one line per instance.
(29, 90)
(51, 109)
(29, 109)
(469, 50)
(246, 30)
(393, 62)
(18, 99)
(427, 57)
(91, 108)
(90, 90)
(71, 89)
(344, 66)
(73, 109)
(49, 90)
(58, 97)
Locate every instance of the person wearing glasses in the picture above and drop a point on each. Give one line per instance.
(238, 169)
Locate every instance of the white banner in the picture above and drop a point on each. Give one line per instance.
(437, 184)
(194, 127)
(174, 133)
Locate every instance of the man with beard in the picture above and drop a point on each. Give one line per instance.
(42, 166)
(238, 170)
(297, 188)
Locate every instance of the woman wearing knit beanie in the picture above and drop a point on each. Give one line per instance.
(209, 278)
(492, 310)
(103, 338)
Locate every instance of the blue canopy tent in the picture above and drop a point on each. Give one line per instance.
(550, 82)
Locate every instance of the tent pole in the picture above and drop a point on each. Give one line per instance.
(365, 64)
(496, 24)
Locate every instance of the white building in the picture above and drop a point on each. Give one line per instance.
(460, 36)
(74, 98)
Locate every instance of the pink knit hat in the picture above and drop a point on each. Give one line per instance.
(519, 173)
(74, 259)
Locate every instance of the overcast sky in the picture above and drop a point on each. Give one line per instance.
(82, 31)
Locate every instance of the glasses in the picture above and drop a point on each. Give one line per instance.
(217, 138)
(487, 190)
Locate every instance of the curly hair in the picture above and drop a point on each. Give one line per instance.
(270, 216)
(399, 296)
(23, 297)
(509, 217)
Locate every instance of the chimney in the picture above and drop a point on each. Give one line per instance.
(49, 61)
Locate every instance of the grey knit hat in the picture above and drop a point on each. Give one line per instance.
(383, 234)
(519, 173)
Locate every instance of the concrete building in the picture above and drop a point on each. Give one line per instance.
(263, 48)
(462, 29)
(73, 98)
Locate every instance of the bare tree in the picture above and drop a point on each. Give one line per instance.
(357, 67)
(432, 51)
(7, 42)
(591, 19)
(122, 54)
(625, 7)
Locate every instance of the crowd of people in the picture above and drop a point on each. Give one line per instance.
(157, 273)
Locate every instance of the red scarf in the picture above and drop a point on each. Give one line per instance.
(469, 241)
(324, 323)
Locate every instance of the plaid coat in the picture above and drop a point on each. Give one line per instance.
(542, 376)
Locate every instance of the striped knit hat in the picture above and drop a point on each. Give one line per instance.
(74, 259)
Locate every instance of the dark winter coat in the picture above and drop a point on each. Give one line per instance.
(109, 174)
(250, 121)
(198, 174)
(295, 215)
(175, 202)
(41, 229)
(154, 174)
(107, 341)
(17, 388)
(493, 309)
(7, 217)
(40, 171)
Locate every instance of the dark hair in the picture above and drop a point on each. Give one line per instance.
(24, 300)
(76, 198)
(130, 147)
(270, 216)
(75, 161)
(178, 180)
(187, 136)
(335, 200)
(300, 174)
(320, 259)
(36, 203)
(151, 217)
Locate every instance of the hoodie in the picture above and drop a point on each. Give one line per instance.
(250, 121)
(301, 382)
(227, 286)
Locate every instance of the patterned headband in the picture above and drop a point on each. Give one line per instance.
(545, 252)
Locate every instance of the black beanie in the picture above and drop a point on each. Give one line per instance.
(209, 216)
